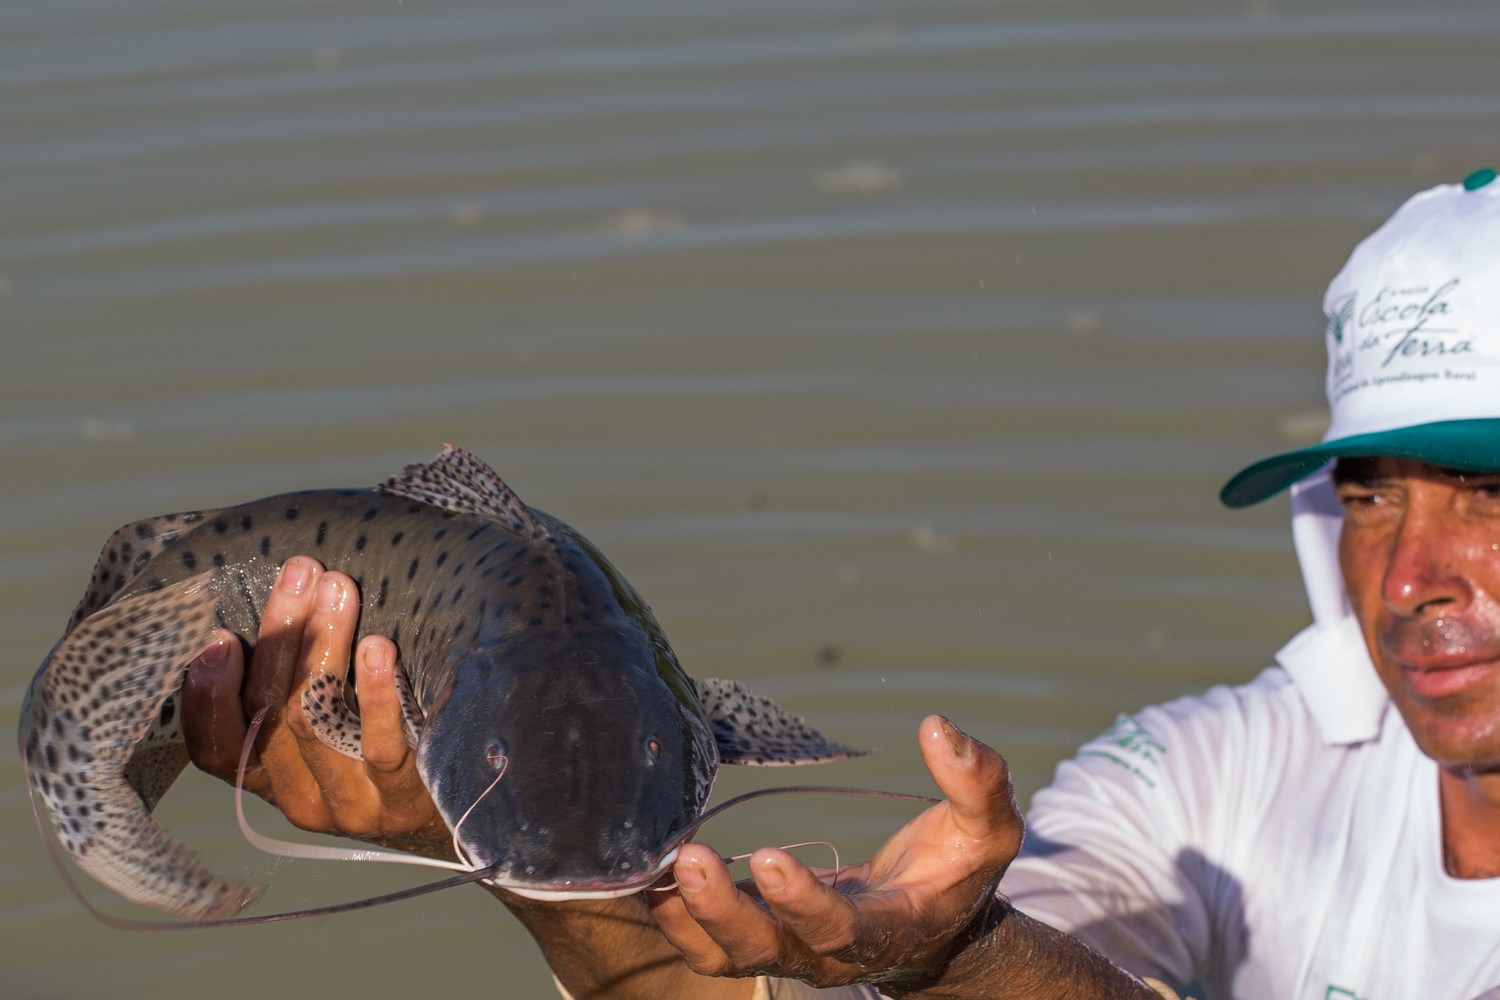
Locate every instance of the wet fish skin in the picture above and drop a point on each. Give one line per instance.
(518, 641)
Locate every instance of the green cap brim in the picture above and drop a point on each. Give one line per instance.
(1471, 445)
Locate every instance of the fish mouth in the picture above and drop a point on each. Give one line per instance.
(587, 888)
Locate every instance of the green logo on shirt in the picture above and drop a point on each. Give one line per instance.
(1129, 744)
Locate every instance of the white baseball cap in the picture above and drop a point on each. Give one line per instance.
(1413, 338)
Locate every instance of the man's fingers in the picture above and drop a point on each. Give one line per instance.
(809, 910)
(382, 735)
(213, 717)
(325, 648)
(280, 640)
(718, 929)
(388, 759)
(276, 662)
(975, 779)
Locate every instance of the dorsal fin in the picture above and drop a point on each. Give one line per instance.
(457, 481)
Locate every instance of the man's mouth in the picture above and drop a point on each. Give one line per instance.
(1442, 658)
(1432, 682)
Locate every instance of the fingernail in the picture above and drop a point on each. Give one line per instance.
(958, 741)
(690, 876)
(295, 575)
(377, 657)
(217, 654)
(330, 594)
(770, 876)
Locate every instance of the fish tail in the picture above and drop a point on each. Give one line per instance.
(91, 705)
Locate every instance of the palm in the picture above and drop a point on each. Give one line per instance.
(899, 910)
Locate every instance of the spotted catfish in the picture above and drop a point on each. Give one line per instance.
(522, 651)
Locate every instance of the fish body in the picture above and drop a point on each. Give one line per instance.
(525, 657)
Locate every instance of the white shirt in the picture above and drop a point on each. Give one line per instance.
(1224, 839)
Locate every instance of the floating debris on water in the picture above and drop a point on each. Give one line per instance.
(864, 177)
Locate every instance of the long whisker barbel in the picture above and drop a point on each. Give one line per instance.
(126, 924)
(875, 793)
(318, 852)
(458, 848)
(466, 872)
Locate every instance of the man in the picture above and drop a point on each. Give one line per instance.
(1331, 829)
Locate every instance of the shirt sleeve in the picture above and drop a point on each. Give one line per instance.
(1127, 848)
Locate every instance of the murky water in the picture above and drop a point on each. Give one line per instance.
(895, 352)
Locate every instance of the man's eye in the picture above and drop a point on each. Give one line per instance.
(1360, 498)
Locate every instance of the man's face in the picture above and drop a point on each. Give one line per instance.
(1420, 551)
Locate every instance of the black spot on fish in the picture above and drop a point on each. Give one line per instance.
(359, 543)
(477, 532)
(411, 571)
(246, 522)
(438, 535)
(154, 585)
(396, 538)
(221, 526)
(168, 709)
(189, 560)
(322, 532)
(265, 546)
(442, 557)
(371, 514)
(219, 559)
(291, 513)
(385, 589)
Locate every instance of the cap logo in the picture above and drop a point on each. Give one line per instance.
(1397, 325)
(1340, 318)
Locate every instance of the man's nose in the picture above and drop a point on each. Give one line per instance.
(1423, 570)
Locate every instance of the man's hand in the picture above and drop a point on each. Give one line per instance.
(919, 916)
(307, 627)
(894, 920)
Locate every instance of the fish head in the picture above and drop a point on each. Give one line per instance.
(576, 764)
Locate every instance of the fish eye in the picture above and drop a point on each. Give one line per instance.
(653, 749)
(494, 754)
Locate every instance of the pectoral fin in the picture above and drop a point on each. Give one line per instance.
(338, 726)
(754, 730)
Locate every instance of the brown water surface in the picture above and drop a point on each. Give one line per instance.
(895, 352)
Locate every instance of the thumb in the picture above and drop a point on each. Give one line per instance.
(975, 779)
